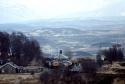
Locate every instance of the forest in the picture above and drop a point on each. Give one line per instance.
(19, 49)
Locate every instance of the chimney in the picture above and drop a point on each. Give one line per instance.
(60, 52)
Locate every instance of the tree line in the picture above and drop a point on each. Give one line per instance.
(19, 48)
(111, 54)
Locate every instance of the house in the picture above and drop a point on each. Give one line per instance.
(76, 68)
(9, 68)
(57, 60)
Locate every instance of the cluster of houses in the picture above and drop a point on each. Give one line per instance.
(63, 62)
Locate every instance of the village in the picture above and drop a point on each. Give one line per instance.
(32, 72)
(62, 61)
(22, 62)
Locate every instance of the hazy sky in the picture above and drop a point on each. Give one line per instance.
(19, 10)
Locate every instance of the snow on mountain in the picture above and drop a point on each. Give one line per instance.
(53, 39)
(72, 35)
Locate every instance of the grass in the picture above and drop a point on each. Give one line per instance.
(18, 79)
(119, 81)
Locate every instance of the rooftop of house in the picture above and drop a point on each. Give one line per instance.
(11, 64)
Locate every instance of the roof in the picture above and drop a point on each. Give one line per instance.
(61, 56)
(11, 64)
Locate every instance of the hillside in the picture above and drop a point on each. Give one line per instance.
(76, 40)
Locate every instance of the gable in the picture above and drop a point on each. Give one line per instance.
(8, 65)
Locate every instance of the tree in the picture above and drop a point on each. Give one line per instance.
(4, 45)
(20, 49)
(17, 42)
(115, 53)
(99, 60)
(24, 49)
(32, 51)
(88, 66)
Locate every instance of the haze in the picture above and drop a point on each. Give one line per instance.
(21, 10)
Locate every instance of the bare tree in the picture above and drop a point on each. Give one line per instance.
(115, 53)
(4, 45)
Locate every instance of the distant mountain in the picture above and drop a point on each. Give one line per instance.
(77, 23)
(14, 27)
(77, 35)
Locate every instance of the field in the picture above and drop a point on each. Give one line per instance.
(19, 79)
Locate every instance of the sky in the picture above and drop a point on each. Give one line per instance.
(21, 10)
